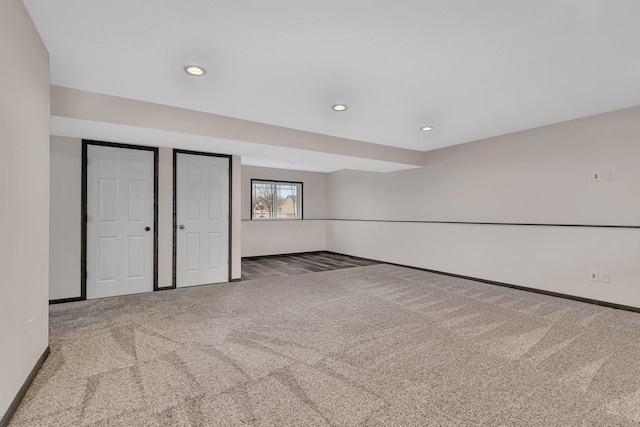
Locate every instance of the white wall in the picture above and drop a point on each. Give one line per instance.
(66, 168)
(24, 191)
(542, 176)
(270, 237)
(282, 237)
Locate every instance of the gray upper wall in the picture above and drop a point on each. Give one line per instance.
(90, 106)
(314, 190)
(542, 175)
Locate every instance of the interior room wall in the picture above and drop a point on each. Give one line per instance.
(108, 109)
(165, 217)
(236, 218)
(538, 176)
(66, 166)
(24, 191)
(271, 237)
(65, 217)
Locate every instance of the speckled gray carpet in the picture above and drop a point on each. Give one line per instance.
(372, 346)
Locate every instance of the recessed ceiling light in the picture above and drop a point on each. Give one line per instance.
(339, 107)
(194, 70)
(426, 128)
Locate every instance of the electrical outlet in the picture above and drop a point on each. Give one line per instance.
(594, 276)
(605, 277)
(611, 176)
(595, 176)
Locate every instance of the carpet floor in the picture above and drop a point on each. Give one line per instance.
(368, 346)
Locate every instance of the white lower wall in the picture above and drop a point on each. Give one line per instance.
(557, 259)
(282, 237)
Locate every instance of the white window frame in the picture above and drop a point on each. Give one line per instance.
(277, 185)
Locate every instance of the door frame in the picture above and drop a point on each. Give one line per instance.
(175, 207)
(83, 244)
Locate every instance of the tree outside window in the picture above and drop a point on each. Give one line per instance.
(276, 199)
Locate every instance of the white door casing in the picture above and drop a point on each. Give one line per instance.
(202, 219)
(120, 208)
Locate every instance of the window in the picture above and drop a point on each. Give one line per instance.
(276, 199)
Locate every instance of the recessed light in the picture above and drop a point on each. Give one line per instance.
(426, 128)
(339, 107)
(194, 70)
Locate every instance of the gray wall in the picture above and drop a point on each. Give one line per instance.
(24, 191)
(66, 187)
(269, 237)
(101, 108)
(165, 217)
(65, 217)
(542, 176)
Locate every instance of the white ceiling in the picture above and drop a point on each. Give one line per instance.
(472, 69)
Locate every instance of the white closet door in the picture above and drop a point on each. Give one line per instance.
(202, 217)
(120, 220)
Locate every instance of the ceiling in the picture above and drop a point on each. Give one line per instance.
(472, 69)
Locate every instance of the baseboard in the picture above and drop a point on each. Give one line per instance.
(518, 287)
(23, 390)
(63, 300)
(289, 253)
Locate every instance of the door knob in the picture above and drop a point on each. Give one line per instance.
(181, 226)
(147, 228)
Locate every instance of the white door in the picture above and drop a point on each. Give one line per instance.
(120, 220)
(202, 218)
